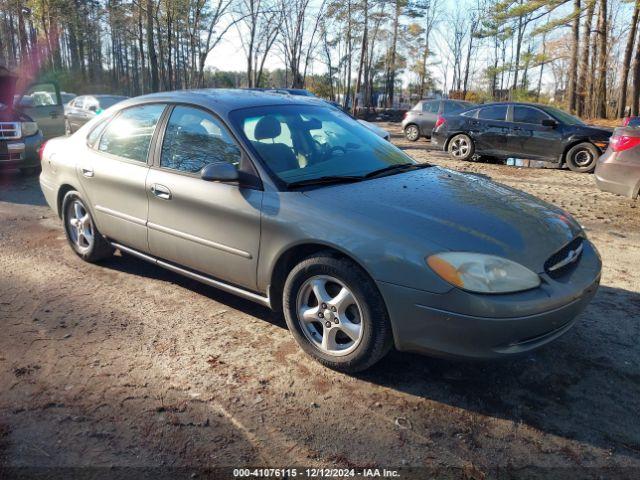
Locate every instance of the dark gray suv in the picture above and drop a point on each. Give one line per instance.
(421, 119)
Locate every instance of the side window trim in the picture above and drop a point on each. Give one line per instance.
(155, 134)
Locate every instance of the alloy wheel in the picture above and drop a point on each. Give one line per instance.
(412, 132)
(80, 226)
(329, 314)
(459, 147)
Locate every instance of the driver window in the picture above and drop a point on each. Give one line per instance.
(193, 139)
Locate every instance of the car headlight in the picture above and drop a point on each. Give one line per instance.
(482, 273)
(29, 128)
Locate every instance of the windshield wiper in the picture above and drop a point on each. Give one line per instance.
(326, 180)
(399, 167)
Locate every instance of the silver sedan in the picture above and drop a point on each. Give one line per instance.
(299, 207)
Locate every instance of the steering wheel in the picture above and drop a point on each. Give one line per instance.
(337, 148)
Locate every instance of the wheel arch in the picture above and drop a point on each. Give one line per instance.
(293, 255)
(62, 191)
(451, 135)
(573, 143)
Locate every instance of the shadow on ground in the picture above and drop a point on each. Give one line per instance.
(20, 188)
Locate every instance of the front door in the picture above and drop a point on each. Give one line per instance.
(210, 227)
(528, 138)
(43, 103)
(113, 174)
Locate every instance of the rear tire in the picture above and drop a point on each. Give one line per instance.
(412, 132)
(83, 235)
(336, 313)
(461, 147)
(582, 157)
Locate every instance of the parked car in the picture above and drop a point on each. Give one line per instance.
(522, 130)
(25, 120)
(381, 132)
(631, 121)
(293, 204)
(85, 107)
(421, 119)
(618, 170)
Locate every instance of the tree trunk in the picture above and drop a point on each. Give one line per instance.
(624, 77)
(601, 86)
(391, 76)
(363, 56)
(151, 49)
(583, 65)
(635, 82)
(573, 67)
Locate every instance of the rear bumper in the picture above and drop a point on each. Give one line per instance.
(22, 153)
(490, 326)
(438, 139)
(614, 175)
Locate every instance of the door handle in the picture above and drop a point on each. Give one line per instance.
(87, 172)
(53, 114)
(161, 191)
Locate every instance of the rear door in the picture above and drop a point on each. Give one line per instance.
(43, 103)
(114, 171)
(528, 138)
(492, 130)
(210, 227)
(429, 116)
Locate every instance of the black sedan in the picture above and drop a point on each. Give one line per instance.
(521, 130)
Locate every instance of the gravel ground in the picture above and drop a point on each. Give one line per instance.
(125, 364)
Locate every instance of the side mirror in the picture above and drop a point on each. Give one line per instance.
(219, 172)
(547, 122)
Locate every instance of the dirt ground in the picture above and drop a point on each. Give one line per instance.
(125, 364)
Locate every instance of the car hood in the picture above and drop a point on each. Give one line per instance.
(593, 131)
(458, 212)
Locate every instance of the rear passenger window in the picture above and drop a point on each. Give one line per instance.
(431, 107)
(528, 115)
(93, 136)
(129, 134)
(495, 112)
(195, 138)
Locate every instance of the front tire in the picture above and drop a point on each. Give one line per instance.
(412, 133)
(582, 157)
(336, 313)
(461, 147)
(83, 235)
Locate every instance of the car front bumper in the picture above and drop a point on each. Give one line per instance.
(20, 153)
(466, 325)
(617, 174)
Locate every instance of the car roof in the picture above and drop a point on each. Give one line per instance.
(523, 104)
(222, 100)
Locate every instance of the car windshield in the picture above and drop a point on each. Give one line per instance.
(301, 143)
(564, 117)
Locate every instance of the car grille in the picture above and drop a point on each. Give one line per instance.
(9, 157)
(565, 258)
(10, 130)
